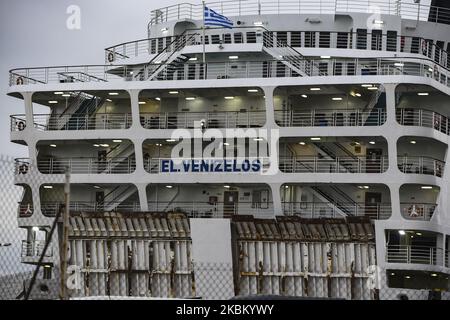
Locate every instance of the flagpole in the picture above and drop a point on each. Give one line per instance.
(204, 41)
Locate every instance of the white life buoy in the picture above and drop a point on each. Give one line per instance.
(21, 126)
(111, 57)
(23, 169)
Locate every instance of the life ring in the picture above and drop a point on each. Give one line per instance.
(21, 126)
(23, 169)
(19, 81)
(111, 57)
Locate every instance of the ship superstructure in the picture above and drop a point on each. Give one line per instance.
(307, 142)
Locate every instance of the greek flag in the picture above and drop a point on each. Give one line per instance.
(212, 18)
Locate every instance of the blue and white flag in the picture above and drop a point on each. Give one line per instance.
(212, 18)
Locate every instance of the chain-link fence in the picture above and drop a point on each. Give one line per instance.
(118, 254)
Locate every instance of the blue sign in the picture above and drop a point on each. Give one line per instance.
(210, 165)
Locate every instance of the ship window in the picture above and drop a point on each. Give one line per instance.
(238, 37)
(227, 38)
(324, 39)
(415, 44)
(206, 39)
(153, 46)
(338, 69)
(361, 39)
(296, 39)
(342, 40)
(281, 69)
(310, 39)
(282, 37)
(323, 67)
(448, 55)
(351, 71)
(160, 44)
(376, 40)
(391, 41)
(251, 37)
(438, 53)
(215, 39)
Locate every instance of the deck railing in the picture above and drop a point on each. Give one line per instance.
(98, 121)
(243, 70)
(413, 254)
(421, 165)
(34, 249)
(423, 118)
(187, 120)
(199, 209)
(315, 164)
(50, 209)
(78, 165)
(330, 118)
(413, 11)
(418, 211)
(315, 210)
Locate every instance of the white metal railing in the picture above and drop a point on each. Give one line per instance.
(330, 118)
(332, 210)
(418, 211)
(34, 249)
(199, 209)
(78, 165)
(314, 164)
(421, 165)
(249, 69)
(413, 254)
(225, 119)
(410, 10)
(50, 209)
(423, 118)
(98, 121)
(373, 41)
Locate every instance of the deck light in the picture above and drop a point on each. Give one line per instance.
(337, 99)
(109, 100)
(407, 277)
(193, 59)
(302, 143)
(158, 99)
(66, 95)
(413, 142)
(173, 92)
(418, 234)
(366, 85)
(315, 89)
(315, 139)
(392, 274)
(190, 98)
(104, 145)
(423, 94)
(372, 142)
(258, 139)
(434, 275)
(53, 145)
(229, 98)
(399, 64)
(169, 187)
(113, 93)
(59, 93)
(170, 140)
(304, 96)
(96, 145)
(372, 88)
(233, 57)
(96, 187)
(401, 232)
(253, 90)
(426, 187)
(226, 144)
(142, 102)
(53, 102)
(48, 187)
(226, 187)
(117, 141)
(325, 57)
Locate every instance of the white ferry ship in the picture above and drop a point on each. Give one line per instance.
(292, 148)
